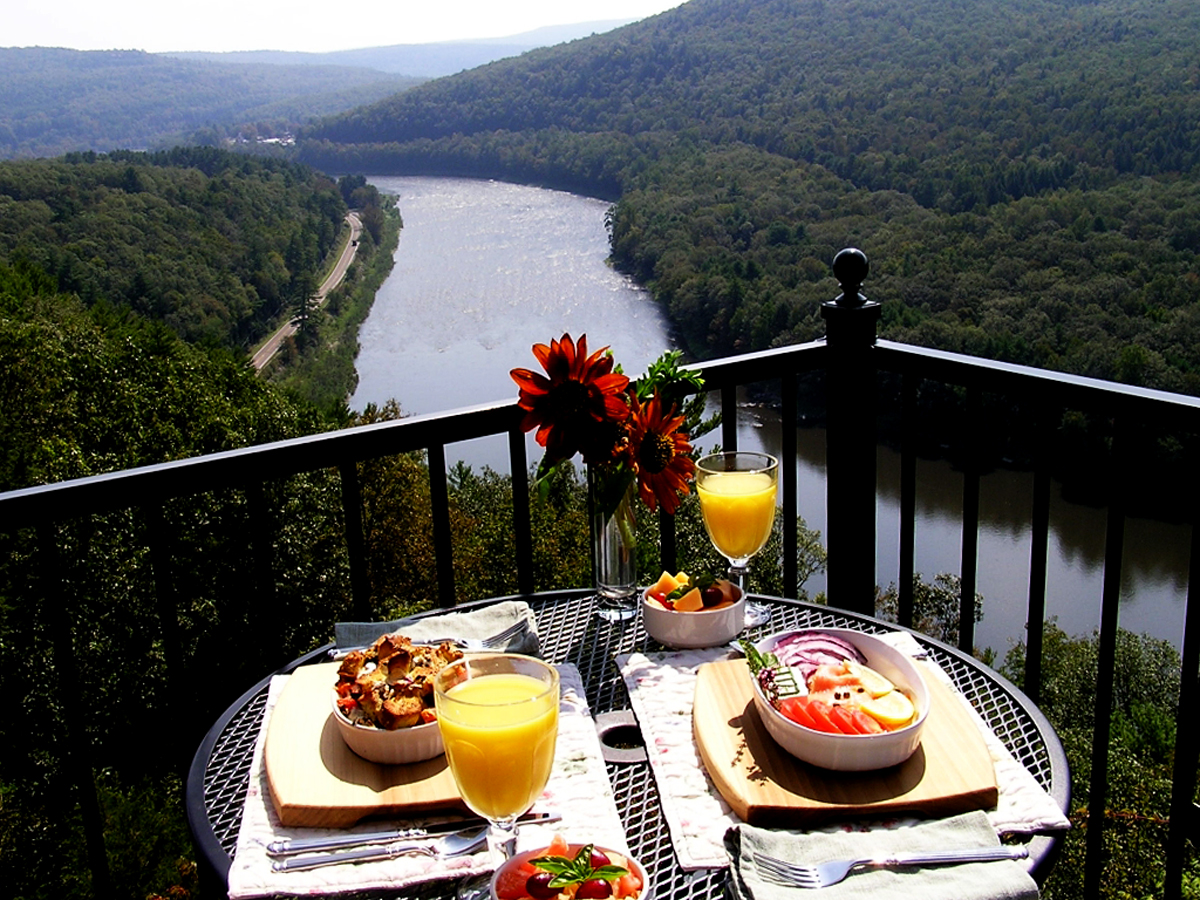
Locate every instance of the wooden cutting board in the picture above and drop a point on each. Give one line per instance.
(951, 772)
(316, 780)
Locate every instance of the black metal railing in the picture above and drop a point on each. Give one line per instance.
(862, 380)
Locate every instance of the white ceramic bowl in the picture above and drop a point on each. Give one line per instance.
(691, 630)
(847, 752)
(392, 748)
(499, 876)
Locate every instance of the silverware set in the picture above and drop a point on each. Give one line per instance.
(829, 873)
(442, 840)
(493, 642)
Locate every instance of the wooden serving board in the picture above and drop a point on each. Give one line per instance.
(951, 771)
(316, 780)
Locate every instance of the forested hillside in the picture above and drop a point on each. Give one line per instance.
(1022, 174)
(214, 244)
(56, 101)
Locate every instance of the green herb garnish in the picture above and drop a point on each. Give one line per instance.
(576, 871)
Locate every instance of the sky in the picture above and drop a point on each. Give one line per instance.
(223, 25)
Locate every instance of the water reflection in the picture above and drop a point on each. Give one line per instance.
(485, 269)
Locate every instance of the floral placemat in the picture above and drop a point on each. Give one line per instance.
(579, 790)
(661, 689)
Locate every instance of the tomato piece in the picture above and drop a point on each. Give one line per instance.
(840, 716)
(864, 723)
(796, 709)
(821, 711)
(511, 884)
(627, 885)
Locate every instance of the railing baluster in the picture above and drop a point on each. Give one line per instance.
(522, 518)
(1035, 618)
(166, 606)
(1184, 815)
(787, 463)
(439, 498)
(729, 439)
(1114, 544)
(356, 543)
(262, 529)
(75, 744)
(908, 501)
(970, 525)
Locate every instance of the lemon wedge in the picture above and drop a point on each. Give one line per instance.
(875, 684)
(892, 709)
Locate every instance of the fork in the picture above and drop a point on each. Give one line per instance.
(491, 642)
(828, 873)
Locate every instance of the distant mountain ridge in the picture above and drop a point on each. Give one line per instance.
(57, 100)
(429, 60)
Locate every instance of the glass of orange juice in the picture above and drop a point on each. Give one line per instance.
(498, 714)
(737, 501)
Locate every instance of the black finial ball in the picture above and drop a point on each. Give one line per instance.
(850, 267)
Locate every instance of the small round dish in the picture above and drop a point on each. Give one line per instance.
(509, 879)
(389, 748)
(695, 629)
(847, 752)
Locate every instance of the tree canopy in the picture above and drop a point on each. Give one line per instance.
(1021, 173)
(210, 242)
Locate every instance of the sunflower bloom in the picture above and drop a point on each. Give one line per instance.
(662, 454)
(575, 402)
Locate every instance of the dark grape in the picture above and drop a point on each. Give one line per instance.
(537, 886)
(594, 889)
(599, 858)
(711, 596)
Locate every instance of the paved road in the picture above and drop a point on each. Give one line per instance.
(269, 349)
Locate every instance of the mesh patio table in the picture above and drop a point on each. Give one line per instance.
(570, 633)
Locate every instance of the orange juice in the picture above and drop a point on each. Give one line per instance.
(738, 510)
(499, 732)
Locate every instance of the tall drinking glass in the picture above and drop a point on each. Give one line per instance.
(737, 501)
(498, 715)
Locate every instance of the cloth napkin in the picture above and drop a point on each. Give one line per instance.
(661, 690)
(579, 790)
(1000, 880)
(476, 623)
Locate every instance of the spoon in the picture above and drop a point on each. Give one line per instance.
(458, 844)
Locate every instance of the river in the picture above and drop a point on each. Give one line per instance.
(484, 269)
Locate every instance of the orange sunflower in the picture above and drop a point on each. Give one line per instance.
(573, 408)
(662, 453)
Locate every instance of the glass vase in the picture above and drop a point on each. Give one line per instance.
(614, 553)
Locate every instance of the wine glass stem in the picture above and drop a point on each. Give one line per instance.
(739, 575)
(502, 839)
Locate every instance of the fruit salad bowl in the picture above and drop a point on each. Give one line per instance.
(877, 665)
(518, 878)
(695, 621)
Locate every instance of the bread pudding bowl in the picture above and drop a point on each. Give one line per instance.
(383, 700)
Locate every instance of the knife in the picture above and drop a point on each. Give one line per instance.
(291, 846)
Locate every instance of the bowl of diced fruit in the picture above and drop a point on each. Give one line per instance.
(839, 699)
(685, 612)
(564, 871)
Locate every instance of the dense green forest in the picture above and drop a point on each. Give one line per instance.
(1021, 173)
(214, 244)
(57, 101)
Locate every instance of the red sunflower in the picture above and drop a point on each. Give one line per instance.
(572, 409)
(662, 453)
